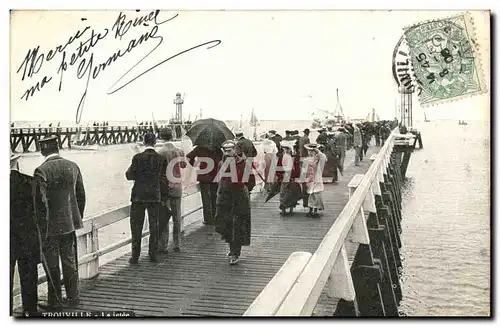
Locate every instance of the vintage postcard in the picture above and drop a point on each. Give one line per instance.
(226, 163)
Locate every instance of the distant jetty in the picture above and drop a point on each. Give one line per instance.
(26, 139)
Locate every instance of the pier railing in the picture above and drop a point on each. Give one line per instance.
(296, 288)
(89, 250)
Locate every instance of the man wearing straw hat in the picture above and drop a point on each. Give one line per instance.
(59, 205)
(24, 241)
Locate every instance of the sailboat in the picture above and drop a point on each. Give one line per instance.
(254, 122)
(372, 117)
(425, 118)
(339, 113)
(338, 116)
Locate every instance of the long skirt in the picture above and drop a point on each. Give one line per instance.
(316, 201)
(290, 194)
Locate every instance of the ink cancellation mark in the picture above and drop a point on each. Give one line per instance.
(445, 64)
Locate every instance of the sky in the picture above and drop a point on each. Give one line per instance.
(283, 64)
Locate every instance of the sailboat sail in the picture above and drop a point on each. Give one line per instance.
(339, 114)
(253, 119)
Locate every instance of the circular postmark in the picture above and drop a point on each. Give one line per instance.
(402, 70)
(442, 58)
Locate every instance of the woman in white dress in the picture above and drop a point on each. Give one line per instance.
(314, 179)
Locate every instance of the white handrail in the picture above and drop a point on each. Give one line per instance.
(329, 260)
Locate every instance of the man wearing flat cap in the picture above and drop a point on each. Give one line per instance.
(24, 240)
(59, 206)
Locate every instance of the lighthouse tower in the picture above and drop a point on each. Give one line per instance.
(178, 101)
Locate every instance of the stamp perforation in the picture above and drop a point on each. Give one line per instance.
(470, 32)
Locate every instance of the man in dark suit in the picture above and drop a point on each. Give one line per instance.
(24, 240)
(246, 149)
(148, 170)
(322, 138)
(304, 140)
(59, 206)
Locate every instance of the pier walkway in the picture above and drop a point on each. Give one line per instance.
(198, 281)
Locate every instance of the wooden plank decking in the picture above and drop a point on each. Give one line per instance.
(198, 281)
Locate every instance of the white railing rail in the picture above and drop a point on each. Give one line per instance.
(88, 236)
(329, 265)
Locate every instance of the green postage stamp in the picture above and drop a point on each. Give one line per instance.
(445, 63)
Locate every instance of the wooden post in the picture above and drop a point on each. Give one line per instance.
(88, 243)
(366, 273)
(341, 286)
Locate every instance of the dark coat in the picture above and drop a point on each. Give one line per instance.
(149, 171)
(246, 147)
(332, 162)
(24, 240)
(233, 217)
(304, 140)
(322, 139)
(214, 154)
(59, 196)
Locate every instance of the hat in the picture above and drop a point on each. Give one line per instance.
(166, 134)
(272, 131)
(50, 141)
(228, 144)
(306, 131)
(286, 144)
(287, 132)
(268, 142)
(311, 146)
(238, 133)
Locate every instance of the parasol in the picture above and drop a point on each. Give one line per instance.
(273, 190)
(209, 133)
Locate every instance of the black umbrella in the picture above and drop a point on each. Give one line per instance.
(273, 190)
(209, 133)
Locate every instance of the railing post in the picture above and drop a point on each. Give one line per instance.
(87, 244)
(341, 286)
(365, 270)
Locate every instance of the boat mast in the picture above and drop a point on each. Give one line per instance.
(339, 114)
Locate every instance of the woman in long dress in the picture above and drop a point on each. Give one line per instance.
(314, 181)
(290, 191)
(233, 217)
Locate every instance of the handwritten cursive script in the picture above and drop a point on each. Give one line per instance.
(87, 66)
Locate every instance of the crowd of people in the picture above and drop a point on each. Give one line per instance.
(46, 210)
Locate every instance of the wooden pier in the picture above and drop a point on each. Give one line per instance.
(345, 263)
(26, 139)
